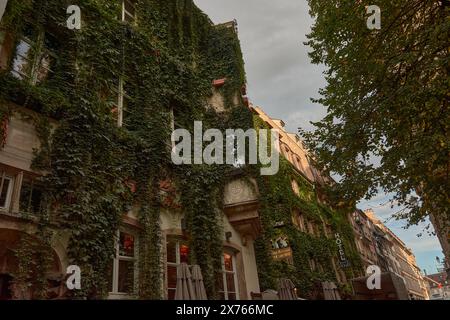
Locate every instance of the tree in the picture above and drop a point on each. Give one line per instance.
(387, 99)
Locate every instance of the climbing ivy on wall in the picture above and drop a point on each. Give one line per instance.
(167, 61)
(278, 203)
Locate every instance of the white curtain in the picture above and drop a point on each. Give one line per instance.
(2, 8)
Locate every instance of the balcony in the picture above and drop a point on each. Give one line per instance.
(241, 206)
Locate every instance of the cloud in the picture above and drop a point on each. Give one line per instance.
(281, 80)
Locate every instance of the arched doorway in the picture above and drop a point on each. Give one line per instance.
(10, 244)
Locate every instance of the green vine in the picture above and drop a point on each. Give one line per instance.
(168, 61)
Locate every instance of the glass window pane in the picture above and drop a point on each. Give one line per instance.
(29, 31)
(4, 192)
(171, 251)
(230, 282)
(36, 199)
(171, 277)
(129, 6)
(126, 277)
(126, 245)
(25, 194)
(228, 262)
(44, 67)
(50, 42)
(221, 295)
(21, 64)
(171, 294)
(219, 282)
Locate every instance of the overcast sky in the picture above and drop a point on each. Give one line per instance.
(281, 80)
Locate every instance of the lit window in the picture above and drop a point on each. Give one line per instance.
(228, 285)
(128, 11)
(177, 253)
(124, 279)
(30, 197)
(5, 191)
(299, 221)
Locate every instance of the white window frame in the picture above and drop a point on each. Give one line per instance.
(126, 14)
(118, 258)
(9, 192)
(120, 98)
(177, 259)
(234, 273)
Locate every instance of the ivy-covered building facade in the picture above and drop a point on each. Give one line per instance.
(87, 177)
(86, 173)
(305, 239)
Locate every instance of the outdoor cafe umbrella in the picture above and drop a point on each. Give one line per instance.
(185, 288)
(197, 279)
(330, 291)
(286, 290)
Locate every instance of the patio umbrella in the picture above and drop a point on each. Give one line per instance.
(2, 8)
(197, 279)
(330, 291)
(286, 290)
(185, 289)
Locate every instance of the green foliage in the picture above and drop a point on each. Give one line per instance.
(387, 125)
(278, 204)
(167, 61)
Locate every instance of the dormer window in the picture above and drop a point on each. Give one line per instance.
(128, 11)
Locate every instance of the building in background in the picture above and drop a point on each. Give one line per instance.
(378, 245)
(313, 220)
(438, 286)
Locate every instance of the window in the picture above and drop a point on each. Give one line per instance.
(311, 227)
(128, 11)
(30, 197)
(120, 102)
(124, 277)
(6, 185)
(299, 221)
(298, 163)
(34, 55)
(177, 253)
(5, 286)
(232, 146)
(228, 285)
